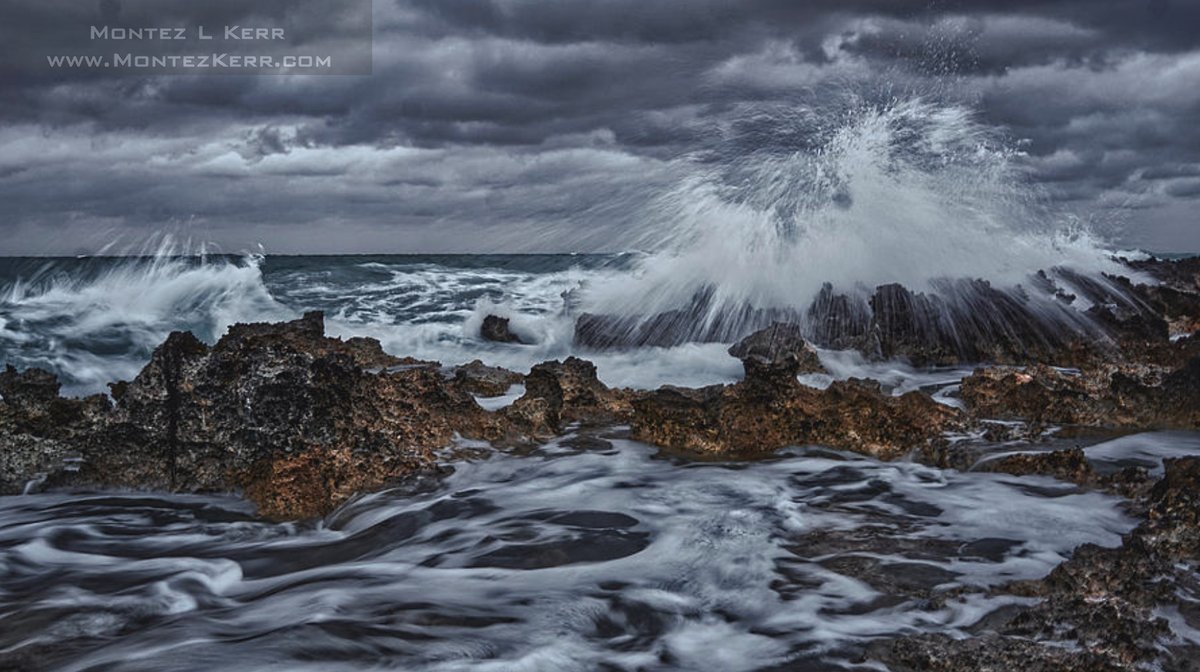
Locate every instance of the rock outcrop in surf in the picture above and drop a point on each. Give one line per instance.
(560, 394)
(766, 412)
(1062, 318)
(770, 409)
(774, 346)
(1103, 396)
(495, 328)
(299, 421)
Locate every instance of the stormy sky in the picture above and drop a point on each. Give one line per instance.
(548, 125)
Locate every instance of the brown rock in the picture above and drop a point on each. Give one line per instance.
(560, 393)
(42, 434)
(770, 409)
(296, 419)
(1066, 465)
(311, 483)
(1105, 396)
(485, 381)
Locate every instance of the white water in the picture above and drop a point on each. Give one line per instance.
(910, 192)
(99, 326)
(97, 321)
(853, 194)
(586, 553)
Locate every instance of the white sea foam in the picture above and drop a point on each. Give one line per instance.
(911, 191)
(96, 321)
(565, 558)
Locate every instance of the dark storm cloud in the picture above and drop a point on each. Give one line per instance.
(564, 115)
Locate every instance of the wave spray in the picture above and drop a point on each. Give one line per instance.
(792, 204)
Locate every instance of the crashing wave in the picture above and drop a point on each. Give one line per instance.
(810, 215)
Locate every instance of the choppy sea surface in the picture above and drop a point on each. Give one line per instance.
(95, 320)
(593, 552)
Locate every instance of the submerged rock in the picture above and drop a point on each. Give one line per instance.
(495, 328)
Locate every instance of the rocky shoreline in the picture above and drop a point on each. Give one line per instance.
(299, 422)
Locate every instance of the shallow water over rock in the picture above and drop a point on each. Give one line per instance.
(589, 553)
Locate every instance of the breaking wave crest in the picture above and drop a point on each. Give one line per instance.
(96, 320)
(851, 194)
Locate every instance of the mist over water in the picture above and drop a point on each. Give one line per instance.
(96, 320)
(592, 551)
(850, 193)
(781, 201)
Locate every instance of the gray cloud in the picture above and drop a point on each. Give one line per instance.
(486, 120)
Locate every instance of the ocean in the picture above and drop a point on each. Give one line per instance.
(591, 552)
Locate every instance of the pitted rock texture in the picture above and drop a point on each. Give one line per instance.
(769, 409)
(558, 394)
(485, 381)
(265, 403)
(1104, 396)
(1100, 610)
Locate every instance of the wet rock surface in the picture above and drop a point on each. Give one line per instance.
(485, 381)
(770, 409)
(1069, 465)
(775, 344)
(558, 394)
(276, 404)
(1104, 396)
(1179, 274)
(692, 324)
(300, 423)
(41, 432)
(495, 328)
(959, 321)
(297, 420)
(976, 323)
(1101, 610)
(963, 321)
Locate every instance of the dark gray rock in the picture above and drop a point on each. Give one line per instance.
(495, 328)
(781, 345)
